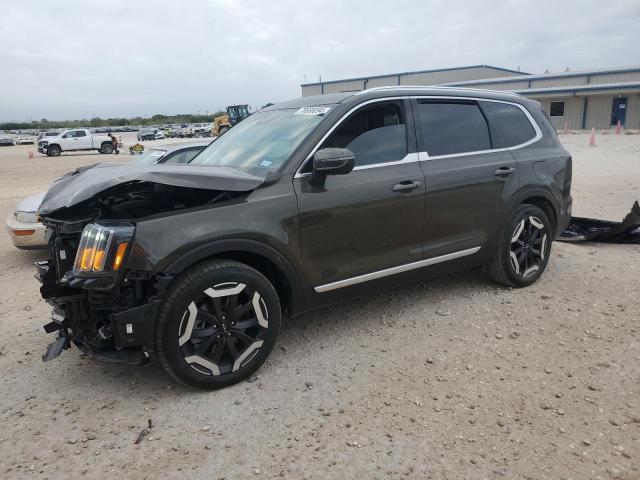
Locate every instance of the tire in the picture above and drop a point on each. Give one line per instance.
(198, 343)
(524, 247)
(106, 148)
(54, 151)
(222, 130)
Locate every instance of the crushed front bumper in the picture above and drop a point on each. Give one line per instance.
(123, 335)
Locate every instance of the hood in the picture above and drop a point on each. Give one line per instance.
(84, 184)
(30, 204)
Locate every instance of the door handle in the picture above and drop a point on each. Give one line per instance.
(405, 186)
(504, 171)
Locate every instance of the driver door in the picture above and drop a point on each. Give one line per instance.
(370, 219)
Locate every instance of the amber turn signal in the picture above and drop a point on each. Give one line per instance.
(117, 261)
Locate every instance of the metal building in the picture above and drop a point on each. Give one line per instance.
(574, 100)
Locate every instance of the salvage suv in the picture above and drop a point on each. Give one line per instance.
(300, 205)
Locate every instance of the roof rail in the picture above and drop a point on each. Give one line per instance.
(434, 87)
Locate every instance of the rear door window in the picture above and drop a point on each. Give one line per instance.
(509, 124)
(452, 127)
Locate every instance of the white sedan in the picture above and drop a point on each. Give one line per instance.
(23, 226)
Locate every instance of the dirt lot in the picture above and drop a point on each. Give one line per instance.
(450, 379)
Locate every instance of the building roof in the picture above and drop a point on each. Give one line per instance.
(506, 70)
(545, 76)
(579, 88)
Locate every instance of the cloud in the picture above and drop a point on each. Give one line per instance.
(76, 59)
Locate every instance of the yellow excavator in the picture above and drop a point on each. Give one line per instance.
(235, 113)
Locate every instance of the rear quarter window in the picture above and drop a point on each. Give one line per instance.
(509, 124)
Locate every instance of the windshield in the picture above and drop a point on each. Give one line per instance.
(148, 157)
(262, 142)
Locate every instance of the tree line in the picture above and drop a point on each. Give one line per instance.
(44, 124)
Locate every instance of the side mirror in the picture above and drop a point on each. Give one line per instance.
(331, 161)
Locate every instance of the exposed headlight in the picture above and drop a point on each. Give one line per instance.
(26, 217)
(102, 248)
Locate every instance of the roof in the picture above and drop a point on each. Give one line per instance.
(391, 91)
(507, 70)
(544, 76)
(309, 101)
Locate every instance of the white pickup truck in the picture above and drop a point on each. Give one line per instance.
(74, 140)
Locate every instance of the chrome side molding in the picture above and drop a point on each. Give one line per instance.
(393, 270)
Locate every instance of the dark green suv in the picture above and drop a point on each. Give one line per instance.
(302, 204)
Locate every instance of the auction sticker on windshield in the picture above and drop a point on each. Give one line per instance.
(312, 111)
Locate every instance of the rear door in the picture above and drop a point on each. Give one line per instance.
(469, 179)
(83, 141)
(371, 219)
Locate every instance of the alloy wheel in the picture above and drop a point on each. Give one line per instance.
(223, 329)
(528, 246)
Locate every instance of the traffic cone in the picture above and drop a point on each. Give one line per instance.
(592, 138)
(618, 128)
(566, 128)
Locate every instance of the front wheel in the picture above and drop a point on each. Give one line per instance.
(54, 151)
(523, 249)
(217, 324)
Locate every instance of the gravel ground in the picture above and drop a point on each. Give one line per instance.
(448, 379)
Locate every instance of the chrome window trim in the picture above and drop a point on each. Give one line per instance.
(299, 173)
(394, 270)
(424, 155)
(537, 137)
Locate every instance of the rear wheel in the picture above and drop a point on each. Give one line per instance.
(222, 130)
(106, 148)
(524, 247)
(54, 150)
(217, 325)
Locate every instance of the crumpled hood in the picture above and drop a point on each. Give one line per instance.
(86, 183)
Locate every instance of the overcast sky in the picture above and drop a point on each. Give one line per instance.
(67, 59)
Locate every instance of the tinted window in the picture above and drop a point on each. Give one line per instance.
(375, 134)
(449, 128)
(510, 126)
(81, 133)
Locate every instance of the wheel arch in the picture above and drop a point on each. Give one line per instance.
(546, 203)
(265, 259)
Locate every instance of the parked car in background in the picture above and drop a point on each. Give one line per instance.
(76, 139)
(150, 134)
(7, 141)
(198, 130)
(25, 140)
(28, 233)
(175, 153)
(23, 226)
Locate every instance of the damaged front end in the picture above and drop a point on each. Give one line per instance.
(99, 304)
(108, 312)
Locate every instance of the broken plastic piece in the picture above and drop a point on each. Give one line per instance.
(55, 348)
(592, 230)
